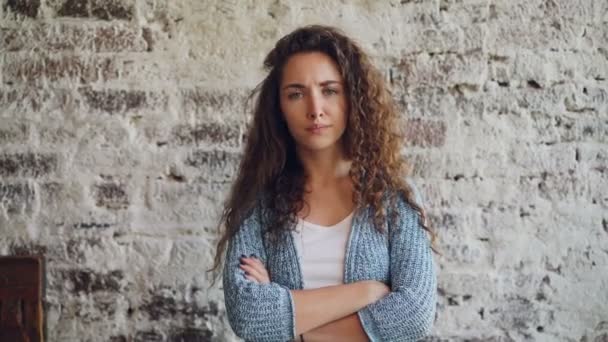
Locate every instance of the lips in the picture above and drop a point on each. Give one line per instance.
(317, 128)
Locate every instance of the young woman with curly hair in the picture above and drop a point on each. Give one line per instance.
(324, 239)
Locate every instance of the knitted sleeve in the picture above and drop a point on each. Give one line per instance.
(408, 312)
(256, 312)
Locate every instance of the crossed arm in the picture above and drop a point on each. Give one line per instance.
(273, 312)
(328, 313)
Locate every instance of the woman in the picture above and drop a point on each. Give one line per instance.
(324, 239)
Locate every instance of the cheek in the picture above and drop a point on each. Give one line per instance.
(293, 110)
(286, 111)
(291, 115)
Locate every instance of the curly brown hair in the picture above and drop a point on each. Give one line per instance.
(270, 166)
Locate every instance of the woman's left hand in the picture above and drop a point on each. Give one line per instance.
(255, 270)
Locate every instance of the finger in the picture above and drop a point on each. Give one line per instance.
(262, 278)
(258, 262)
(259, 267)
(253, 258)
(252, 272)
(255, 264)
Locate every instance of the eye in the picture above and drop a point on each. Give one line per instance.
(330, 91)
(294, 96)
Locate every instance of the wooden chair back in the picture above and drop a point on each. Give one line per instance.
(21, 313)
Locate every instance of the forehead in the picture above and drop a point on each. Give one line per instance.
(310, 67)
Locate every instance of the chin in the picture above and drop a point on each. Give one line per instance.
(318, 146)
(318, 143)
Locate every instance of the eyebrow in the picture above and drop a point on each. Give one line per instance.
(301, 86)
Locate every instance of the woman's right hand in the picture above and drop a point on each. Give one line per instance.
(254, 269)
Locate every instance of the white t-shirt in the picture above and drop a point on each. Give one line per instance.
(321, 251)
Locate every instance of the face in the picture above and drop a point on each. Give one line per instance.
(313, 101)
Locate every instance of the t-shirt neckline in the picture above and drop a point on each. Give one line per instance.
(310, 224)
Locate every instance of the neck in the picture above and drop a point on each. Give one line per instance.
(324, 168)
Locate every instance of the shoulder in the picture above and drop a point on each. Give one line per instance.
(400, 198)
(250, 220)
(259, 214)
(417, 195)
(405, 207)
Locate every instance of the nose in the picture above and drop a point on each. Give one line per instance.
(315, 106)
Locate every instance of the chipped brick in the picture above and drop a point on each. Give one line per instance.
(51, 193)
(101, 9)
(217, 166)
(209, 100)
(27, 164)
(57, 68)
(114, 38)
(74, 8)
(191, 335)
(111, 9)
(92, 225)
(148, 37)
(207, 133)
(32, 99)
(13, 133)
(70, 37)
(27, 8)
(113, 100)
(88, 281)
(111, 196)
(164, 304)
(425, 133)
(23, 249)
(212, 159)
(15, 197)
(149, 336)
(76, 248)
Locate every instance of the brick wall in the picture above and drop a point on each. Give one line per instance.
(121, 124)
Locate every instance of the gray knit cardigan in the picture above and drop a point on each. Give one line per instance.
(402, 260)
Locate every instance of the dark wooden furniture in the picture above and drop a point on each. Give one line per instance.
(21, 298)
